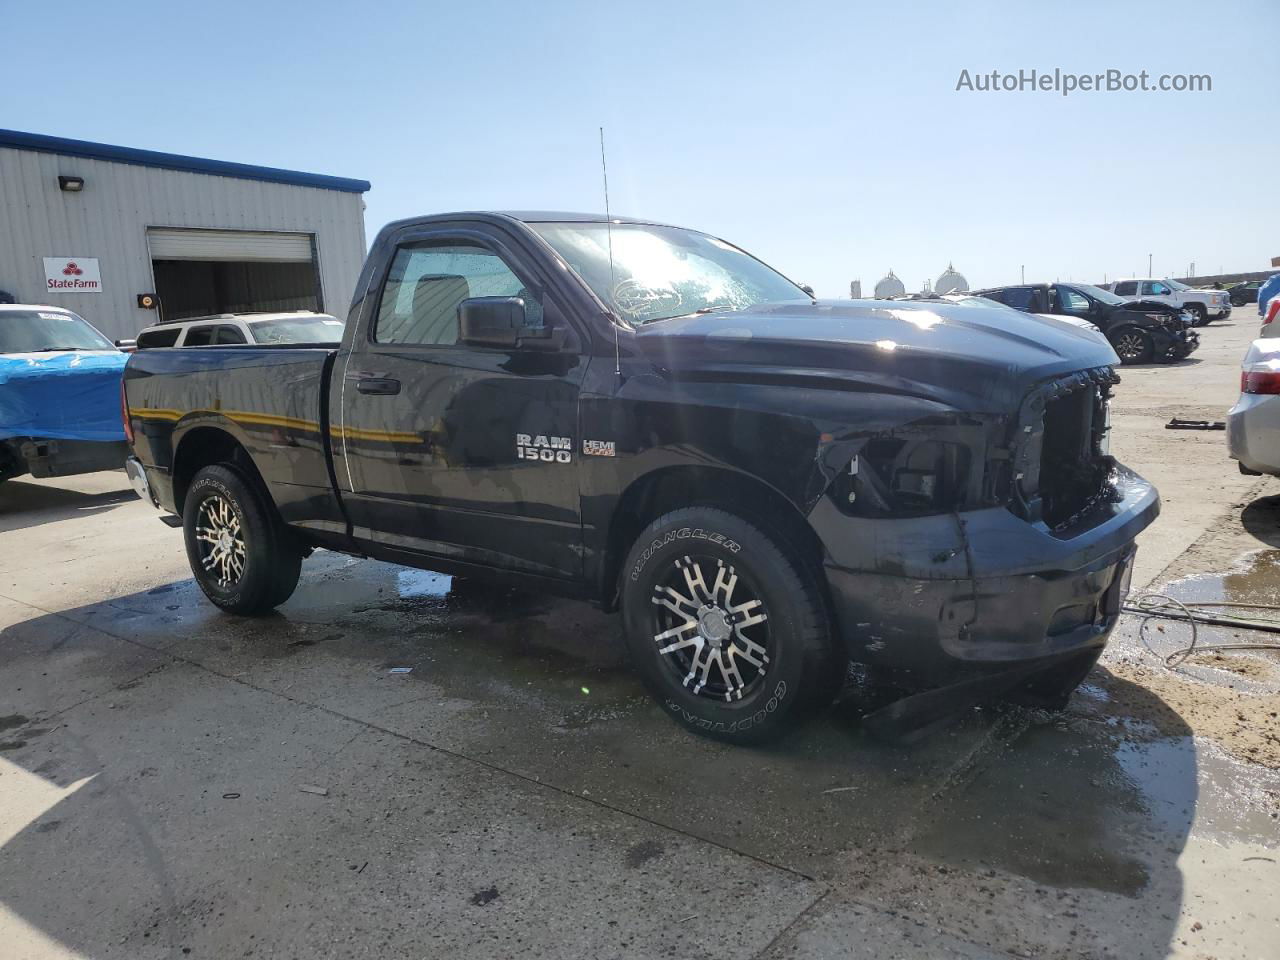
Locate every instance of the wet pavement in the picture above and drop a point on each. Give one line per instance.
(495, 782)
(484, 776)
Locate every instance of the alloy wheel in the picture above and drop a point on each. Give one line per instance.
(714, 635)
(220, 540)
(1129, 346)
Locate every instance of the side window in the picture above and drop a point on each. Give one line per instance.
(1019, 298)
(228, 334)
(427, 283)
(199, 336)
(1072, 302)
(158, 338)
(1126, 288)
(1156, 289)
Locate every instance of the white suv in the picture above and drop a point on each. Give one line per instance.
(300, 326)
(1204, 305)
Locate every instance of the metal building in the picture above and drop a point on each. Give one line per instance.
(122, 236)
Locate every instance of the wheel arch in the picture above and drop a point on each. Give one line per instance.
(1118, 331)
(203, 446)
(671, 488)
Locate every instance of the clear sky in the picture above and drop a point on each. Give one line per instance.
(828, 138)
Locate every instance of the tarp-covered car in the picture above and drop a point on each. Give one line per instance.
(59, 394)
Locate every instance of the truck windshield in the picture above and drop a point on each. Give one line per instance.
(43, 331)
(1176, 285)
(320, 329)
(664, 272)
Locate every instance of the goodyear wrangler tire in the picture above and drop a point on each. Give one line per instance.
(240, 553)
(729, 633)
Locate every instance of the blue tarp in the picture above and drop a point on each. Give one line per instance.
(68, 395)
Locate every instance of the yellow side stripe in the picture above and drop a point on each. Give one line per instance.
(245, 417)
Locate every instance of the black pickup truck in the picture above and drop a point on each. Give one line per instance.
(647, 418)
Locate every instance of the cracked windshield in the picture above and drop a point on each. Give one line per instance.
(663, 272)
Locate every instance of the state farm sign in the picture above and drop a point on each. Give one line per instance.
(72, 275)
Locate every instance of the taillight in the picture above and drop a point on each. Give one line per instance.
(1260, 381)
(1272, 311)
(124, 414)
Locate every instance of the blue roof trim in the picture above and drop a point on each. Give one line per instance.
(174, 161)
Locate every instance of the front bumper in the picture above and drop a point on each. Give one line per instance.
(57, 457)
(1172, 343)
(1220, 312)
(943, 599)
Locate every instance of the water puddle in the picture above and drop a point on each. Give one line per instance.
(1250, 591)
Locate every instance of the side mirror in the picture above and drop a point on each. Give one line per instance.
(807, 289)
(490, 321)
(500, 322)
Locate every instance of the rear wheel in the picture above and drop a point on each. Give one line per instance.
(727, 629)
(1132, 345)
(243, 557)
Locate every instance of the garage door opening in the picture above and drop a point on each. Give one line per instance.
(203, 272)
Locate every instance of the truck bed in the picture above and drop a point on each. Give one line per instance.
(273, 399)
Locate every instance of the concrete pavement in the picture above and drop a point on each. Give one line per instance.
(517, 794)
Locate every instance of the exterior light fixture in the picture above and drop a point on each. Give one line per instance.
(70, 184)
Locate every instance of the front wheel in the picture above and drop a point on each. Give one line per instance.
(1200, 314)
(240, 553)
(1133, 345)
(727, 629)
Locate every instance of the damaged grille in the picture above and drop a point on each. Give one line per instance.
(1062, 464)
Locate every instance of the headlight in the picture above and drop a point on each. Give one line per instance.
(928, 466)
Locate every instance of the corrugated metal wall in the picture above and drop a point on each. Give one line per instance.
(109, 219)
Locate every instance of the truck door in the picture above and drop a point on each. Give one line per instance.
(453, 450)
(1160, 292)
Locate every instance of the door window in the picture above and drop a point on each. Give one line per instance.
(1072, 302)
(1019, 298)
(1126, 288)
(228, 334)
(428, 282)
(1151, 288)
(199, 336)
(158, 338)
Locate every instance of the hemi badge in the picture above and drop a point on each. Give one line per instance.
(599, 448)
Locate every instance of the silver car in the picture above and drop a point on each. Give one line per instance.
(1253, 424)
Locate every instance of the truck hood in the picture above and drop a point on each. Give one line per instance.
(63, 395)
(1153, 306)
(974, 358)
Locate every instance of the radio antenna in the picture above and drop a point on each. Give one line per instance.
(608, 229)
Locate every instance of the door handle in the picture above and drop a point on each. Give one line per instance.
(380, 386)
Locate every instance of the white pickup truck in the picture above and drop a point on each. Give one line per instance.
(1204, 305)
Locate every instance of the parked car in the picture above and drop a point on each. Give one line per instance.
(1270, 328)
(1205, 305)
(299, 326)
(648, 418)
(1253, 424)
(1140, 332)
(1245, 293)
(59, 394)
(1078, 322)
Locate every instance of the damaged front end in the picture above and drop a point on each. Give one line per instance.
(979, 551)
